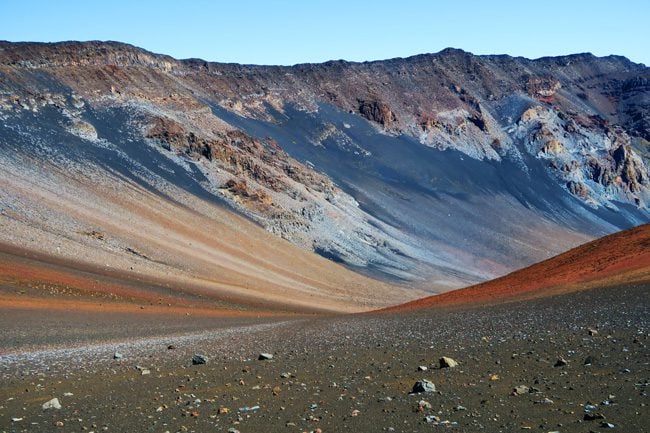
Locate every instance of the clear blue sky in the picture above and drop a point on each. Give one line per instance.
(288, 32)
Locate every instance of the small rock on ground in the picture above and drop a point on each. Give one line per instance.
(446, 362)
(423, 386)
(52, 404)
(199, 360)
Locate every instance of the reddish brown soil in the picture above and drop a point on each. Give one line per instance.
(620, 258)
(38, 282)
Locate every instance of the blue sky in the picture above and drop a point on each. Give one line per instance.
(288, 32)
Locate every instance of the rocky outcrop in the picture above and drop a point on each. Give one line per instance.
(630, 168)
(377, 111)
(543, 88)
(595, 160)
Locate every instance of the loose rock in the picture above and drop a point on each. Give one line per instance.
(199, 360)
(561, 362)
(431, 419)
(521, 389)
(545, 401)
(52, 404)
(446, 362)
(265, 356)
(423, 386)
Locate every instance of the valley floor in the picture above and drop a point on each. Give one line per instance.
(339, 373)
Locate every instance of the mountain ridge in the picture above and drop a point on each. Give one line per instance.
(91, 44)
(387, 166)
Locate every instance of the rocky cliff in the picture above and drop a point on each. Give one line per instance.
(437, 170)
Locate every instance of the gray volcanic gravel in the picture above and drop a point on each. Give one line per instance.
(353, 373)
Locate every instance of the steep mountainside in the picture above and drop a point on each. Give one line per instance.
(437, 170)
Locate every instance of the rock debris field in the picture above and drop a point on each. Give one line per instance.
(570, 363)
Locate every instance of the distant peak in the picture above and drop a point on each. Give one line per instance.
(450, 51)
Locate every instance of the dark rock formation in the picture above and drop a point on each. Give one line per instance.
(377, 112)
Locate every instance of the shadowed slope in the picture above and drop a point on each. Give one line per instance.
(620, 258)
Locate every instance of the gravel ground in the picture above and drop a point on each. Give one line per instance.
(346, 373)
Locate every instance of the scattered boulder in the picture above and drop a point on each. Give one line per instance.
(446, 362)
(423, 386)
(143, 370)
(521, 389)
(117, 355)
(561, 362)
(265, 357)
(432, 419)
(52, 404)
(422, 368)
(199, 360)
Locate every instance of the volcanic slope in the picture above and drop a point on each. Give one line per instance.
(85, 234)
(435, 171)
(619, 259)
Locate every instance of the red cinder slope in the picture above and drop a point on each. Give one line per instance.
(621, 258)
